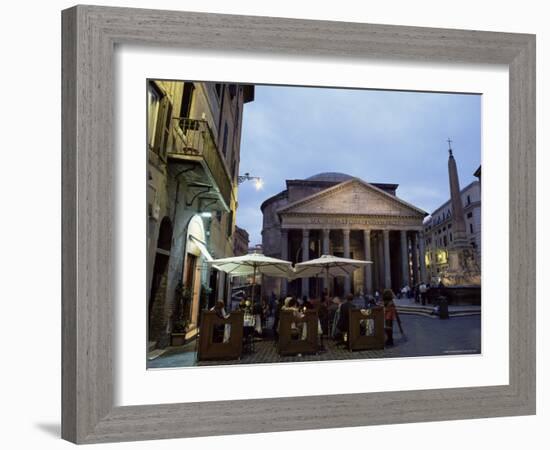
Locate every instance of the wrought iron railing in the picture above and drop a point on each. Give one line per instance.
(197, 140)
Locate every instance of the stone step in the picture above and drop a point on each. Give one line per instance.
(151, 345)
(430, 308)
(415, 312)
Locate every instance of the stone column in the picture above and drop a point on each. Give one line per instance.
(387, 267)
(284, 255)
(347, 281)
(414, 243)
(368, 267)
(326, 251)
(305, 257)
(380, 261)
(404, 258)
(422, 258)
(326, 241)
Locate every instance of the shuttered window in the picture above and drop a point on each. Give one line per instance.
(162, 131)
(154, 96)
(225, 136)
(186, 99)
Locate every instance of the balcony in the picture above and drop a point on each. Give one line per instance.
(194, 146)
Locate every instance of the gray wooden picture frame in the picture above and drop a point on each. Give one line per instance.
(90, 34)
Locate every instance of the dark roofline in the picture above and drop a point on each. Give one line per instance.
(248, 93)
(383, 186)
(273, 198)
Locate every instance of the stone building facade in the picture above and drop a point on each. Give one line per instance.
(438, 231)
(241, 240)
(193, 155)
(334, 213)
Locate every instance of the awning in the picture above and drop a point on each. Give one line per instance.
(202, 247)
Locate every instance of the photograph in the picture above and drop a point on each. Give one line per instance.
(302, 224)
(263, 225)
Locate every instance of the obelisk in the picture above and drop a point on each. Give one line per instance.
(457, 210)
(463, 269)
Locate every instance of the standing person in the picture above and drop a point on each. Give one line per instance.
(334, 316)
(323, 315)
(422, 289)
(376, 296)
(343, 323)
(390, 314)
(276, 315)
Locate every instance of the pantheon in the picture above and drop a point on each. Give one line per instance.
(337, 214)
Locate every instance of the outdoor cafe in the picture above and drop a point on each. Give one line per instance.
(298, 328)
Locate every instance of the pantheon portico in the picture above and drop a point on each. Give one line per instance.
(334, 213)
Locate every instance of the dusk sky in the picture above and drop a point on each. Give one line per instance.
(378, 136)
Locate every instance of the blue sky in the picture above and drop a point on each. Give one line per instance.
(379, 136)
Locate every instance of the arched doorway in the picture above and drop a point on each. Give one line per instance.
(192, 272)
(159, 278)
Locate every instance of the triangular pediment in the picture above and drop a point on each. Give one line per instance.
(355, 197)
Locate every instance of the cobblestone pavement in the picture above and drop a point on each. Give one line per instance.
(424, 336)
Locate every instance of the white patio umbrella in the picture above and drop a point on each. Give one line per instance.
(329, 266)
(253, 264)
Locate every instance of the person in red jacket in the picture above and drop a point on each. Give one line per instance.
(390, 314)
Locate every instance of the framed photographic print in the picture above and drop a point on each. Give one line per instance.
(265, 228)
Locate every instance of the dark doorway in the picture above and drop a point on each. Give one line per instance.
(160, 270)
(189, 285)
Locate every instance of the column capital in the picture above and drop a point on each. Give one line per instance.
(386, 232)
(326, 231)
(305, 232)
(346, 231)
(284, 231)
(366, 232)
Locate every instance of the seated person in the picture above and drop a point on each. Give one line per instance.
(221, 332)
(292, 305)
(306, 304)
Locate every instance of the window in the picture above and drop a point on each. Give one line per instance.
(218, 89)
(225, 133)
(234, 170)
(471, 228)
(159, 118)
(154, 96)
(469, 215)
(230, 224)
(237, 113)
(186, 99)
(445, 241)
(451, 237)
(468, 200)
